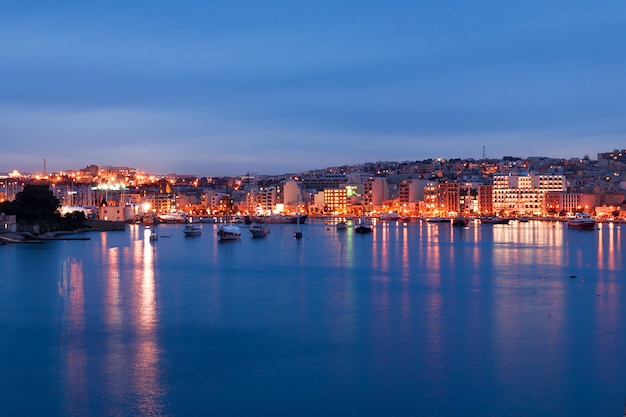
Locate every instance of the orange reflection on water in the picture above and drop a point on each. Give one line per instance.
(113, 314)
(526, 238)
(609, 241)
(405, 255)
(431, 253)
(145, 366)
(71, 291)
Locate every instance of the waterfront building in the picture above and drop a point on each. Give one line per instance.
(335, 200)
(291, 193)
(191, 202)
(161, 203)
(485, 199)
(411, 190)
(375, 191)
(115, 213)
(431, 201)
(469, 198)
(8, 223)
(524, 193)
(448, 196)
(266, 198)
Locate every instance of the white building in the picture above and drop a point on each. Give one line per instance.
(291, 194)
(524, 193)
(375, 191)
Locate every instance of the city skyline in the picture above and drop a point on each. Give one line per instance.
(226, 89)
(44, 169)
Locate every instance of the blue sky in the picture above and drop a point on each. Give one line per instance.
(224, 88)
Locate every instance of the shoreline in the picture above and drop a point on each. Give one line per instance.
(90, 226)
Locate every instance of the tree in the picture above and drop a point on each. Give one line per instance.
(38, 202)
(35, 205)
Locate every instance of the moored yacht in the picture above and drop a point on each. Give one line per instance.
(363, 226)
(581, 221)
(460, 221)
(191, 230)
(256, 230)
(390, 217)
(228, 232)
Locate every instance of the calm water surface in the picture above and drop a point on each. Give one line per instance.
(413, 320)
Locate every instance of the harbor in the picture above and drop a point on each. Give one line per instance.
(516, 319)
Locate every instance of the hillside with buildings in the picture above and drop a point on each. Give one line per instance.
(511, 186)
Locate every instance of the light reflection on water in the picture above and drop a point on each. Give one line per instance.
(517, 319)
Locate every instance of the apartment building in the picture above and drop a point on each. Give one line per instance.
(515, 194)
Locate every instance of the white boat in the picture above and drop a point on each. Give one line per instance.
(173, 217)
(153, 236)
(256, 230)
(342, 225)
(582, 221)
(390, 217)
(228, 232)
(191, 230)
(363, 226)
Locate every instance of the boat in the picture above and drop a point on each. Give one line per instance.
(582, 221)
(173, 217)
(523, 219)
(390, 217)
(342, 225)
(256, 230)
(281, 218)
(438, 219)
(228, 232)
(298, 233)
(494, 220)
(191, 230)
(153, 236)
(363, 226)
(460, 221)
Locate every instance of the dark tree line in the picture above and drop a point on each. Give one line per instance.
(36, 204)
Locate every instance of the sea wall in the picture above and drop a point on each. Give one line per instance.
(104, 225)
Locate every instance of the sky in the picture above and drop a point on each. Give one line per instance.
(228, 87)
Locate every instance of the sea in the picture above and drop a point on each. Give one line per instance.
(414, 319)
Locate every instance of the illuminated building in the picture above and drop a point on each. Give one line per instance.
(485, 199)
(411, 191)
(524, 194)
(448, 197)
(266, 198)
(291, 193)
(469, 198)
(431, 200)
(561, 202)
(375, 191)
(335, 200)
